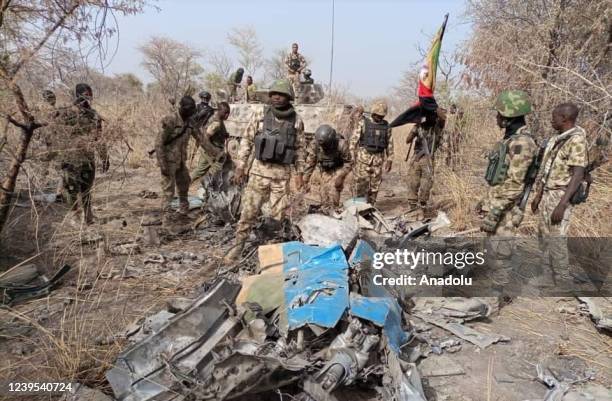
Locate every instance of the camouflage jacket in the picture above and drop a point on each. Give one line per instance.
(77, 133)
(521, 151)
(290, 57)
(360, 155)
(214, 138)
(263, 169)
(573, 153)
(251, 94)
(173, 138)
(428, 140)
(314, 151)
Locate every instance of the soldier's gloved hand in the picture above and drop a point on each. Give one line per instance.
(491, 220)
(388, 165)
(238, 178)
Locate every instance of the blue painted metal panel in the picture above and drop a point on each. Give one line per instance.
(316, 284)
(383, 312)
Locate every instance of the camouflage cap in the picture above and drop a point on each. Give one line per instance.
(379, 108)
(282, 86)
(513, 103)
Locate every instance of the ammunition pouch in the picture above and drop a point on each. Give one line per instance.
(330, 162)
(497, 170)
(277, 142)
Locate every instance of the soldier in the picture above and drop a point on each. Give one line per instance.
(330, 153)
(295, 63)
(234, 83)
(564, 163)
(171, 151)
(79, 136)
(371, 147)
(276, 139)
(453, 135)
(507, 172)
(251, 90)
(49, 110)
(212, 144)
(427, 137)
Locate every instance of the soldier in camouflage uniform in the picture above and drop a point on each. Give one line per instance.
(171, 150)
(371, 147)
(78, 130)
(295, 63)
(275, 139)
(427, 137)
(49, 110)
(563, 165)
(234, 83)
(330, 153)
(501, 205)
(212, 144)
(250, 90)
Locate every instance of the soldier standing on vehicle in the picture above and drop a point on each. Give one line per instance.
(234, 83)
(371, 148)
(295, 63)
(427, 137)
(329, 152)
(275, 137)
(78, 130)
(511, 164)
(251, 90)
(212, 144)
(171, 151)
(562, 185)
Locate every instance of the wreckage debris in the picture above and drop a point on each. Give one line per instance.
(26, 282)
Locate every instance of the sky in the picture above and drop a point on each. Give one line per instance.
(374, 40)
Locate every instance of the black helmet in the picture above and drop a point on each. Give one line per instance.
(326, 137)
(83, 91)
(204, 95)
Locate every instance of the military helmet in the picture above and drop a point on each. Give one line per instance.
(379, 108)
(326, 137)
(307, 72)
(204, 95)
(282, 86)
(513, 103)
(48, 94)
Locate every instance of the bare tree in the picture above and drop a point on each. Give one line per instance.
(250, 51)
(174, 65)
(219, 67)
(34, 29)
(275, 66)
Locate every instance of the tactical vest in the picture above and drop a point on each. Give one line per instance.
(497, 169)
(295, 64)
(375, 136)
(329, 161)
(277, 140)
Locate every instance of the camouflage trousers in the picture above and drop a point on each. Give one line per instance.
(294, 78)
(367, 179)
(553, 238)
(206, 165)
(503, 246)
(176, 176)
(78, 179)
(419, 182)
(329, 193)
(258, 191)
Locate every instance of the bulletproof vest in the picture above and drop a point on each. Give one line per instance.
(277, 140)
(295, 64)
(497, 169)
(329, 160)
(375, 138)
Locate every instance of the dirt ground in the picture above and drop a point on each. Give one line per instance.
(74, 333)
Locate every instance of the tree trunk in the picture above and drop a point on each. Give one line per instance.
(8, 185)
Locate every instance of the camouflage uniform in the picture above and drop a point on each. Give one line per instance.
(78, 134)
(251, 93)
(421, 171)
(172, 158)
(212, 149)
(293, 75)
(368, 166)
(573, 153)
(267, 181)
(329, 193)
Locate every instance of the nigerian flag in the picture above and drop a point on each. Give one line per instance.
(427, 75)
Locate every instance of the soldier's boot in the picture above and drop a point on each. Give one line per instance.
(183, 209)
(235, 251)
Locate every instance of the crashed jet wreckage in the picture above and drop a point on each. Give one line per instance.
(302, 321)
